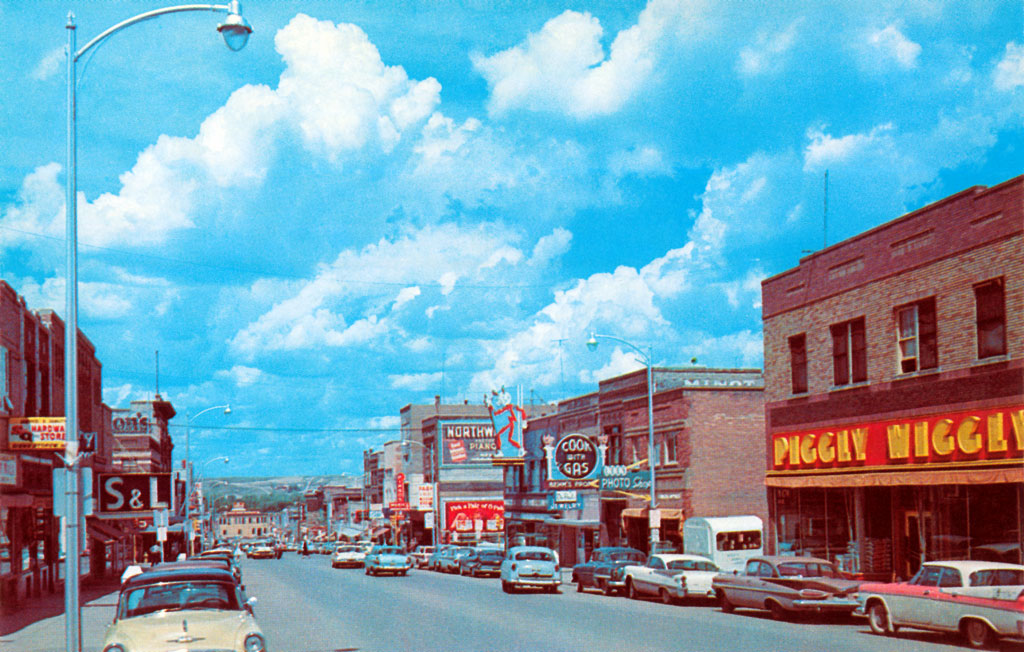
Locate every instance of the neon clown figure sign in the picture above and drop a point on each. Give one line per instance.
(509, 423)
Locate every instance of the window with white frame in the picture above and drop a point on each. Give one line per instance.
(667, 447)
(916, 336)
(5, 387)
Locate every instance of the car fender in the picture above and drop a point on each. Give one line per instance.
(875, 599)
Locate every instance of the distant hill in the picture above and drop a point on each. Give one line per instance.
(269, 494)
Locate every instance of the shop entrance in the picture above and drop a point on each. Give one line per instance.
(916, 531)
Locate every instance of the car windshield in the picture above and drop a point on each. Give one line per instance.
(348, 549)
(997, 577)
(491, 556)
(692, 564)
(808, 569)
(174, 596)
(388, 550)
(534, 555)
(626, 555)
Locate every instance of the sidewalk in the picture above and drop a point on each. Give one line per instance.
(37, 625)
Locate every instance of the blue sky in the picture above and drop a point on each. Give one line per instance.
(374, 203)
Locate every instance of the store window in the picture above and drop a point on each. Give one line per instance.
(915, 334)
(849, 352)
(798, 362)
(990, 310)
(667, 449)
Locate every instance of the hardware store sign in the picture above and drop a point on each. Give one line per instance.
(39, 433)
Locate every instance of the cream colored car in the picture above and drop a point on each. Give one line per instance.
(183, 609)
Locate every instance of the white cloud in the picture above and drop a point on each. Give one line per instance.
(551, 246)
(50, 64)
(767, 54)
(644, 161)
(39, 208)
(620, 362)
(825, 150)
(406, 295)
(1009, 72)
(563, 67)
(241, 375)
(121, 295)
(316, 313)
(415, 382)
(890, 43)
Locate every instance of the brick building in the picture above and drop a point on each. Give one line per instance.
(894, 368)
(708, 434)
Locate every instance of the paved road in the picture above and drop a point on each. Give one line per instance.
(306, 606)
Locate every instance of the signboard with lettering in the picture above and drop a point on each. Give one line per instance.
(133, 494)
(426, 497)
(36, 433)
(467, 442)
(475, 515)
(564, 500)
(574, 459)
(130, 424)
(951, 439)
(8, 469)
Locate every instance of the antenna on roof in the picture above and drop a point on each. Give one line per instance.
(824, 219)
(158, 374)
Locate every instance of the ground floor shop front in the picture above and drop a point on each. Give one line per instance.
(887, 531)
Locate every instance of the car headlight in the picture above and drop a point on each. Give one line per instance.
(255, 643)
(114, 647)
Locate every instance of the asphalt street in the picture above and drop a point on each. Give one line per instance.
(306, 606)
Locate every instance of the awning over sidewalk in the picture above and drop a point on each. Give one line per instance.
(103, 532)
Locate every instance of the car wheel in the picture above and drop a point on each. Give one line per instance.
(506, 587)
(607, 589)
(631, 590)
(878, 619)
(723, 602)
(777, 611)
(403, 573)
(666, 597)
(978, 634)
(579, 584)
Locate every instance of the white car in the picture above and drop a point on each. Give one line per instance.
(671, 577)
(348, 556)
(530, 567)
(982, 600)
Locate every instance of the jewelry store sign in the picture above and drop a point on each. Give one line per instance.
(36, 433)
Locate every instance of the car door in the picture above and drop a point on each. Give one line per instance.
(585, 571)
(914, 605)
(648, 575)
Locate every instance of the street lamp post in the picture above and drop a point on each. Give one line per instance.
(235, 31)
(188, 470)
(202, 508)
(433, 485)
(646, 359)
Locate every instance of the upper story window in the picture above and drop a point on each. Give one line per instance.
(990, 309)
(5, 388)
(849, 352)
(667, 449)
(798, 362)
(915, 336)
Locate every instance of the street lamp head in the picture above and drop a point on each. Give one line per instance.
(235, 29)
(227, 409)
(592, 342)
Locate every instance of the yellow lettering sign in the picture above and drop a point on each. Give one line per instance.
(968, 439)
(942, 438)
(826, 451)
(899, 441)
(996, 436)
(807, 452)
(781, 448)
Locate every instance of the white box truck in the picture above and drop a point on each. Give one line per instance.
(728, 541)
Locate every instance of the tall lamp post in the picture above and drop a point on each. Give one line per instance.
(188, 470)
(203, 511)
(646, 359)
(235, 31)
(433, 474)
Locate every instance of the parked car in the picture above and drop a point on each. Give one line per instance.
(387, 559)
(671, 577)
(530, 567)
(170, 609)
(449, 563)
(348, 556)
(434, 561)
(481, 561)
(421, 555)
(786, 585)
(982, 600)
(597, 572)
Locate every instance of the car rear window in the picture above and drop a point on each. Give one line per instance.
(177, 596)
(691, 564)
(997, 577)
(534, 555)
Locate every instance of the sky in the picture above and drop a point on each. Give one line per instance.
(376, 203)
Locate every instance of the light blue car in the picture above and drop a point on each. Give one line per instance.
(530, 567)
(387, 559)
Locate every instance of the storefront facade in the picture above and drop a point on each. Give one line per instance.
(894, 365)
